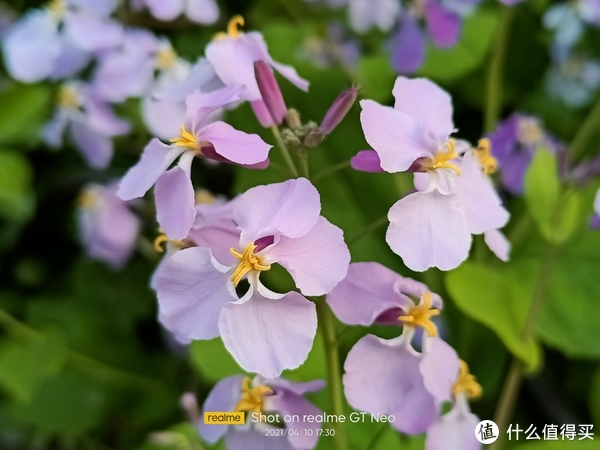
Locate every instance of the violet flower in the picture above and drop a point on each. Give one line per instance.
(217, 141)
(266, 332)
(108, 228)
(266, 396)
(367, 14)
(199, 11)
(245, 49)
(89, 122)
(569, 20)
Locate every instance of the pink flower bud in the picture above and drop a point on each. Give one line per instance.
(338, 110)
(269, 89)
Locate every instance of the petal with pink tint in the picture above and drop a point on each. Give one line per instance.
(397, 137)
(288, 403)
(268, 336)
(202, 11)
(201, 104)
(429, 230)
(155, 160)
(427, 103)
(262, 113)
(317, 261)
(163, 118)
(92, 34)
(454, 430)
(175, 199)
(498, 244)
(409, 48)
(96, 148)
(296, 387)
(191, 287)
(165, 9)
(439, 367)
(443, 25)
(223, 397)
(366, 161)
(235, 145)
(200, 75)
(290, 209)
(366, 290)
(290, 73)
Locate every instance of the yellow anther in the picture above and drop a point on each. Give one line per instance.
(87, 199)
(467, 383)
(165, 58)
(162, 238)
(420, 316)
(57, 8)
(484, 155)
(68, 97)
(233, 31)
(204, 197)
(186, 139)
(248, 262)
(253, 399)
(441, 159)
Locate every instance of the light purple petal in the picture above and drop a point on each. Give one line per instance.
(54, 130)
(163, 118)
(408, 51)
(70, 61)
(192, 290)
(288, 403)
(155, 160)
(92, 34)
(366, 161)
(201, 104)
(366, 292)
(454, 430)
(443, 25)
(290, 73)
(175, 199)
(96, 148)
(439, 367)
(429, 230)
(397, 138)
(290, 209)
(202, 11)
(426, 102)
(298, 388)
(102, 118)
(201, 74)
(166, 10)
(268, 336)
(318, 261)
(223, 398)
(498, 244)
(262, 113)
(219, 235)
(234, 145)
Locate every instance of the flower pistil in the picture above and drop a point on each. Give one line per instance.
(253, 399)
(420, 316)
(248, 262)
(186, 139)
(441, 159)
(467, 383)
(233, 31)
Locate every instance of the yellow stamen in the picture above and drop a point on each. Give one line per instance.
(253, 399)
(484, 155)
(165, 58)
(420, 316)
(467, 383)
(248, 262)
(162, 238)
(57, 8)
(441, 159)
(187, 140)
(204, 197)
(68, 97)
(87, 199)
(232, 28)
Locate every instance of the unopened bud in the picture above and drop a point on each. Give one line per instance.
(293, 119)
(270, 92)
(314, 138)
(338, 110)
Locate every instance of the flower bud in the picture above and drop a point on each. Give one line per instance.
(293, 119)
(269, 89)
(338, 110)
(314, 138)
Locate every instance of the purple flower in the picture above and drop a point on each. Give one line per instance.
(266, 332)
(217, 141)
(108, 229)
(514, 143)
(366, 14)
(443, 28)
(595, 220)
(390, 376)
(431, 227)
(263, 396)
(89, 122)
(245, 49)
(199, 11)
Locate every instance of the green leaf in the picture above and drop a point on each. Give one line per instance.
(212, 360)
(497, 300)
(451, 64)
(376, 77)
(25, 365)
(17, 200)
(24, 109)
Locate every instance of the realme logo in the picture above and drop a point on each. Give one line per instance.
(225, 418)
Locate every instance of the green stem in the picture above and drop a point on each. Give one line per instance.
(586, 132)
(377, 437)
(367, 230)
(284, 151)
(303, 158)
(334, 372)
(514, 378)
(330, 171)
(493, 103)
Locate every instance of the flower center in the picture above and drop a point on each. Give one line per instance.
(441, 159)
(420, 316)
(248, 262)
(165, 57)
(253, 399)
(162, 238)
(232, 28)
(87, 199)
(204, 197)
(68, 98)
(483, 151)
(186, 139)
(57, 8)
(529, 131)
(466, 383)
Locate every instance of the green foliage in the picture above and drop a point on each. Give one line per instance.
(24, 109)
(17, 200)
(212, 360)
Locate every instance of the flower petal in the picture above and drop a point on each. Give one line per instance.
(268, 336)
(439, 367)
(96, 148)
(202, 11)
(155, 160)
(408, 51)
(290, 209)
(429, 230)
(498, 244)
(443, 25)
(166, 10)
(91, 33)
(366, 161)
(223, 398)
(163, 118)
(191, 287)
(289, 403)
(201, 104)
(235, 145)
(454, 430)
